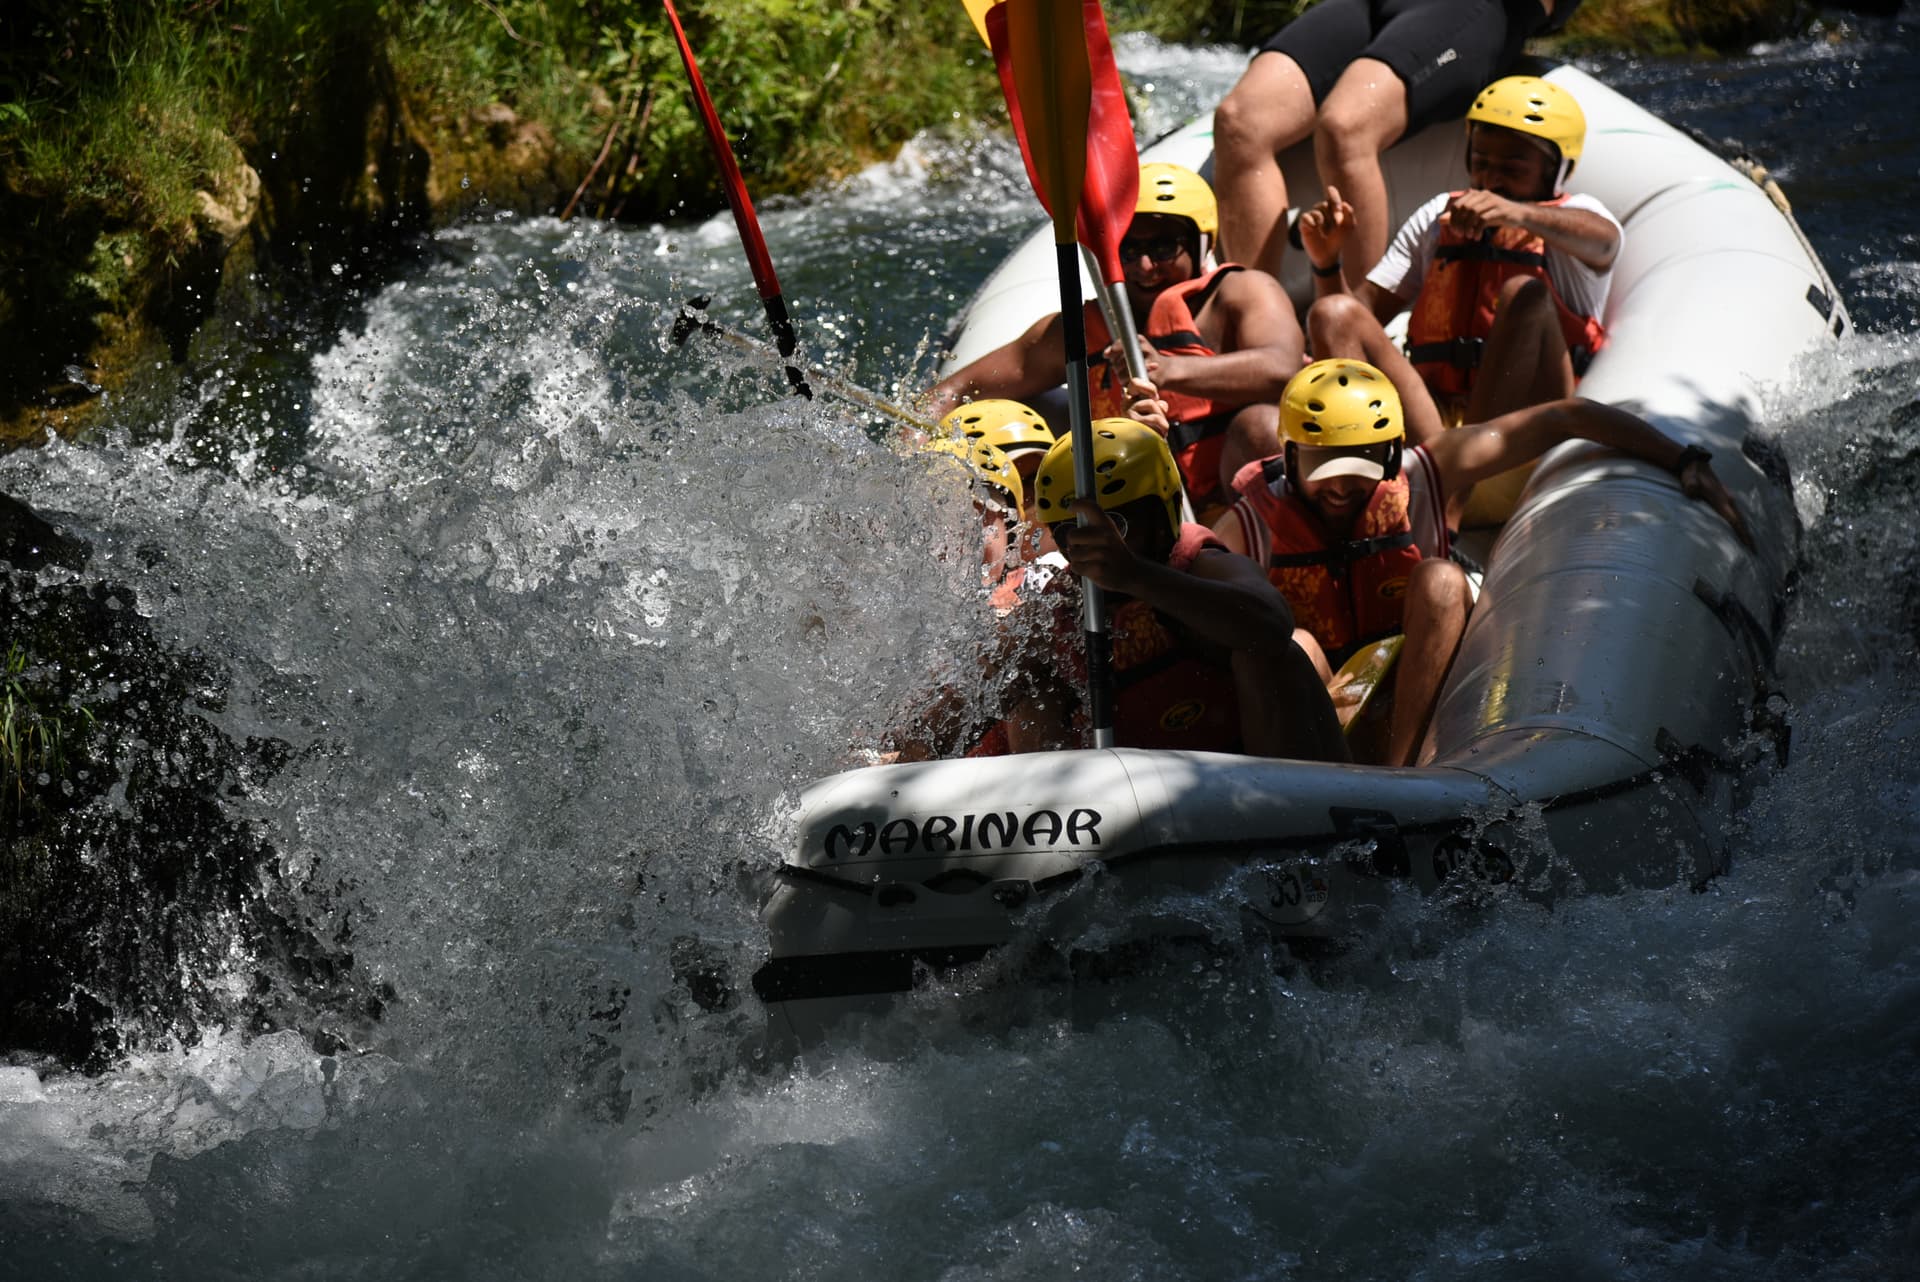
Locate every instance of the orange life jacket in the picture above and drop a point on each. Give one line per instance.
(1454, 310)
(1199, 422)
(1345, 590)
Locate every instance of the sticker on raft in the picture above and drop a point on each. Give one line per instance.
(1295, 896)
(992, 832)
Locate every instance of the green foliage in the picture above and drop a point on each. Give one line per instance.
(1669, 27)
(805, 88)
(534, 55)
(1236, 22)
(127, 125)
(132, 108)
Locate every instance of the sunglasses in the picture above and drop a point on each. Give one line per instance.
(1063, 530)
(1161, 249)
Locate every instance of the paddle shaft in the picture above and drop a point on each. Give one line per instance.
(1041, 52)
(1073, 325)
(694, 320)
(748, 223)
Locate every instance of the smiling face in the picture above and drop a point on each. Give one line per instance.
(1339, 499)
(1157, 251)
(1336, 483)
(1511, 164)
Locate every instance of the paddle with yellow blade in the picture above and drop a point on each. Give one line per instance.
(1040, 49)
(1112, 187)
(758, 260)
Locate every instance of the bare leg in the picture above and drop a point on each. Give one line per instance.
(1340, 325)
(1268, 111)
(1525, 361)
(1438, 601)
(1364, 114)
(1284, 707)
(1253, 433)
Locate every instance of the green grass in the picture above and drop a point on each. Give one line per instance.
(128, 127)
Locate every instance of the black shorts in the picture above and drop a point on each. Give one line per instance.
(1444, 51)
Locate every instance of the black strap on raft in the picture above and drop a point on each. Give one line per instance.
(1463, 353)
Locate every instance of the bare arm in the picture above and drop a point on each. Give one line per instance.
(1223, 599)
(1586, 235)
(1027, 366)
(1260, 346)
(1323, 234)
(1480, 450)
(1231, 531)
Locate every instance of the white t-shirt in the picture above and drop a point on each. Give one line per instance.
(1426, 510)
(1409, 257)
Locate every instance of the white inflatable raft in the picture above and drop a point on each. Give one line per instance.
(1604, 701)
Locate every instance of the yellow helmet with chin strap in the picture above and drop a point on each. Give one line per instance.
(1130, 462)
(1180, 192)
(1010, 426)
(1538, 108)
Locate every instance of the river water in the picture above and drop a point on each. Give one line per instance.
(553, 618)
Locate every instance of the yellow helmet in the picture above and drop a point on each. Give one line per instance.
(1538, 108)
(1341, 404)
(1130, 462)
(987, 463)
(1172, 189)
(1010, 426)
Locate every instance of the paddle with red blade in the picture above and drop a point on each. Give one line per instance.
(1111, 190)
(743, 216)
(1040, 49)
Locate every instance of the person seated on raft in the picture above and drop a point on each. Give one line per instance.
(1506, 280)
(1219, 342)
(998, 498)
(1353, 525)
(1203, 655)
(1020, 433)
(1356, 76)
(943, 719)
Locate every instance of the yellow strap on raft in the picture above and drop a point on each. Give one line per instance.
(1354, 686)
